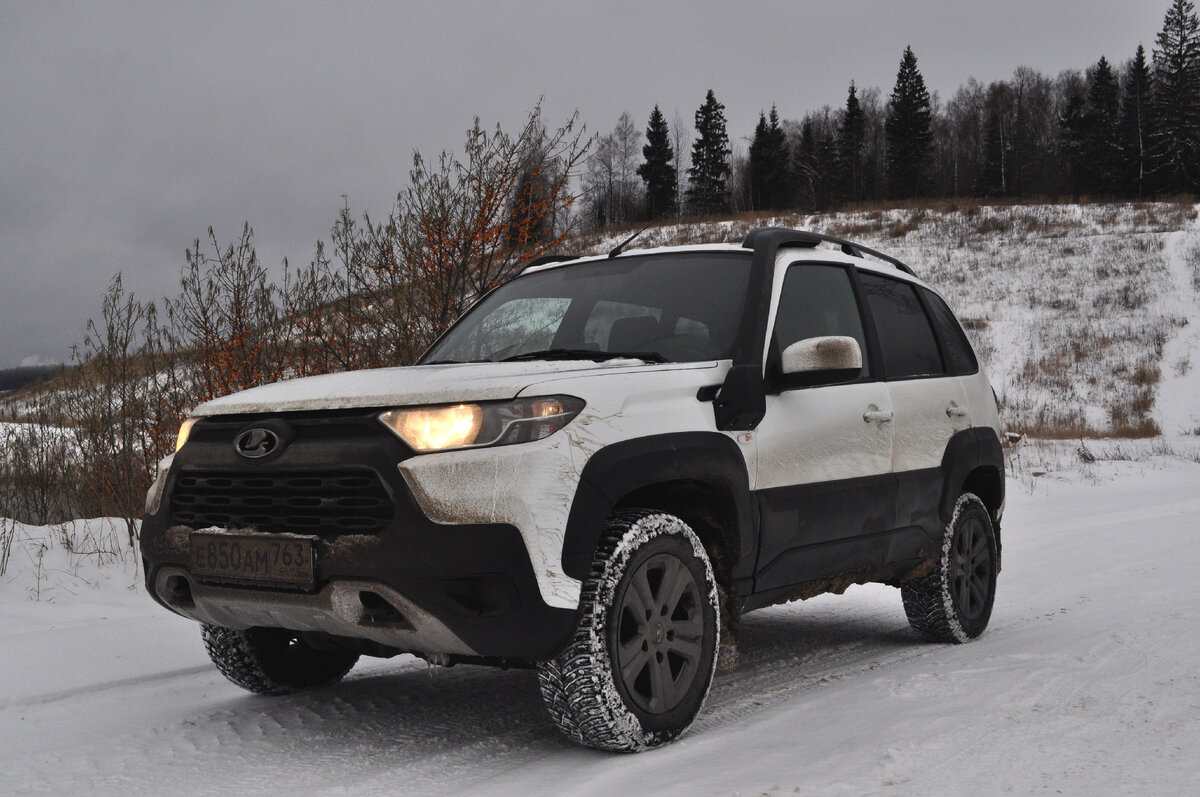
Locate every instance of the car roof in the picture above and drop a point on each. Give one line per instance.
(824, 253)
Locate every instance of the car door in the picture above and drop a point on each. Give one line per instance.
(823, 484)
(929, 403)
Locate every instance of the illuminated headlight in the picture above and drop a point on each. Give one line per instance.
(185, 431)
(484, 424)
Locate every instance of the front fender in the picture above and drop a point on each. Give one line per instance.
(709, 459)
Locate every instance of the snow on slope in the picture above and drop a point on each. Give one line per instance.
(1085, 684)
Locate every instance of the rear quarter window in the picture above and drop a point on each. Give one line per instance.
(960, 359)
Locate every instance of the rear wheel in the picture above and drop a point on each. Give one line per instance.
(642, 661)
(273, 661)
(954, 603)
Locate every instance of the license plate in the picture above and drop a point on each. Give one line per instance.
(255, 559)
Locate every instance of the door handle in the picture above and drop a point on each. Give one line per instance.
(955, 411)
(877, 415)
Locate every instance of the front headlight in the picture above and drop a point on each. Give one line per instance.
(442, 428)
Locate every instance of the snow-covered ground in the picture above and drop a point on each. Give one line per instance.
(1086, 683)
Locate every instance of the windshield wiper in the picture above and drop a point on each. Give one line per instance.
(585, 354)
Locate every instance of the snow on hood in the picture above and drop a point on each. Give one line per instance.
(398, 387)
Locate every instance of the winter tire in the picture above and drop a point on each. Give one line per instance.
(954, 603)
(643, 657)
(273, 661)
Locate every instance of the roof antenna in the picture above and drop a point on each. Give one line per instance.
(627, 241)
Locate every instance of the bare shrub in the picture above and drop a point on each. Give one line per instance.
(461, 227)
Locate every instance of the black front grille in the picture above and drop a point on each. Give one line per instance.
(327, 502)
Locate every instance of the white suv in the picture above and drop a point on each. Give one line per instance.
(596, 471)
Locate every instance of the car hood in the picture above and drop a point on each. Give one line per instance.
(406, 386)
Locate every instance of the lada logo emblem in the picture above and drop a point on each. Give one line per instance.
(257, 443)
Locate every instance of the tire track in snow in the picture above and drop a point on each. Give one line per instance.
(120, 683)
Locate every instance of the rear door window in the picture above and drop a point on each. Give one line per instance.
(906, 338)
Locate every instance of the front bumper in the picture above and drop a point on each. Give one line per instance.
(409, 584)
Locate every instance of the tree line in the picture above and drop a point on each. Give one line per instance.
(1128, 131)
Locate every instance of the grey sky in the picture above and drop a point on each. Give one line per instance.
(126, 129)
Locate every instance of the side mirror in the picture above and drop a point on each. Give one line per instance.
(822, 361)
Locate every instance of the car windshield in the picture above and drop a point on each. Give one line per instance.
(667, 308)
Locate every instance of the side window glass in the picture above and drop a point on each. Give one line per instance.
(960, 359)
(817, 301)
(905, 337)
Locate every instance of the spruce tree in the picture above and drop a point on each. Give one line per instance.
(909, 131)
(768, 164)
(850, 149)
(1134, 124)
(658, 169)
(758, 165)
(1100, 153)
(707, 176)
(1175, 143)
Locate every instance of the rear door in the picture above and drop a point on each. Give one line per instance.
(928, 400)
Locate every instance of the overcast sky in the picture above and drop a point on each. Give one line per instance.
(126, 129)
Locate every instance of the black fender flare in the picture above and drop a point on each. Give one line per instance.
(710, 459)
(966, 452)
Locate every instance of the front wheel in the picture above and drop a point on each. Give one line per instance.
(273, 661)
(643, 657)
(954, 602)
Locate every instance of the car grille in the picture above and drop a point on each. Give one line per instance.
(327, 503)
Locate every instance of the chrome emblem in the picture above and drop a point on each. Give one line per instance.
(256, 443)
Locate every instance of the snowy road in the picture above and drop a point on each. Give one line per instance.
(1086, 683)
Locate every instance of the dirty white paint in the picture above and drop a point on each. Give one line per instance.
(532, 485)
(820, 434)
(925, 420)
(832, 352)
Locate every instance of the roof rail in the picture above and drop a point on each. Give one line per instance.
(807, 238)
